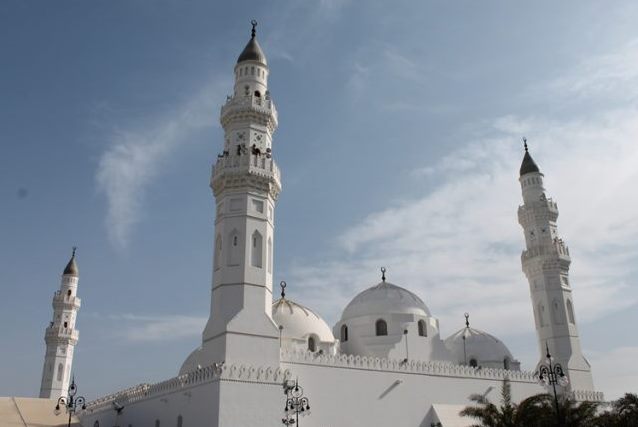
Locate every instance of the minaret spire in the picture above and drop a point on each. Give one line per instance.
(546, 262)
(61, 335)
(245, 183)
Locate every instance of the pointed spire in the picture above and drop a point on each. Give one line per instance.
(252, 51)
(71, 268)
(283, 285)
(383, 274)
(528, 165)
(467, 320)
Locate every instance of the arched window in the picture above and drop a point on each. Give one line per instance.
(570, 312)
(257, 94)
(506, 363)
(256, 249)
(269, 255)
(157, 423)
(96, 423)
(68, 293)
(60, 371)
(66, 325)
(312, 345)
(541, 315)
(423, 328)
(218, 251)
(180, 421)
(234, 248)
(558, 313)
(344, 333)
(381, 327)
(473, 363)
(252, 71)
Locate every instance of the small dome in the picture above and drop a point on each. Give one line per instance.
(71, 268)
(252, 51)
(481, 346)
(299, 322)
(385, 298)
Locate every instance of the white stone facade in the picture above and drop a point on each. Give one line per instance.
(383, 363)
(61, 335)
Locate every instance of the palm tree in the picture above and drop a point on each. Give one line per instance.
(623, 413)
(536, 411)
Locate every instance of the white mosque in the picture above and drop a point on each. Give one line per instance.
(384, 363)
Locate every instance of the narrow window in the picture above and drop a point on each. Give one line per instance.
(180, 421)
(381, 327)
(506, 363)
(241, 72)
(269, 249)
(257, 94)
(66, 325)
(558, 314)
(218, 251)
(68, 293)
(473, 363)
(233, 256)
(344, 333)
(60, 371)
(312, 346)
(256, 250)
(252, 71)
(541, 315)
(423, 329)
(157, 423)
(96, 423)
(570, 312)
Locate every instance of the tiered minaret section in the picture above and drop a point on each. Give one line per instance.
(61, 335)
(546, 264)
(246, 183)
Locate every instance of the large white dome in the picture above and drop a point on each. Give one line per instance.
(385, 298)
(299, 322)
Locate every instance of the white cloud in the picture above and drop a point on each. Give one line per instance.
(137, 328)
(134, 156)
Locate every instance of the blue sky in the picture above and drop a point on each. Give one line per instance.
(399, 145)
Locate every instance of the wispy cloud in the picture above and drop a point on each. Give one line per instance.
(140, 328)
(134, 156)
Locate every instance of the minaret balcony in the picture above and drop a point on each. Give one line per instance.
(557, 249)
(249, 163)
(65, 301)
(56, 332)
(248, 104)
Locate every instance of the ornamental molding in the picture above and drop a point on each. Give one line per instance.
(216, 372)
(432, 368)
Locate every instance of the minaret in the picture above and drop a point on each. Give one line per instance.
(546, 264)
(245, 182)
(61, 335)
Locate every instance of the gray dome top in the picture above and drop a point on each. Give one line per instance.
(71, 268)
(477, 344)
(252, 51)
(385, 298)
(528, 165)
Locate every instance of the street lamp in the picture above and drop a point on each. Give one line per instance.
(296, 404)
(552, 374)
(70, 402)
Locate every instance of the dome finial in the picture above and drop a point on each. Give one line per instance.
(525, 143)
(467, 319)
(283, 285)
(253, 32)
(383, 274)
(75, 248)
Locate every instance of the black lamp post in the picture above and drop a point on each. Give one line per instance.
(296, 404)
(70, 402)
(552, 374)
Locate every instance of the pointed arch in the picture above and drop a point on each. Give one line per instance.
(269, 254)
(557, 311)
(381, 328)
(423, 328)
(218, 251)
(570, 312)
(60, 371)
(256, 245)
(344, 333)
(506, 363)
(312, 344)
(180, 421)
(234, 248)
(541, 314)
